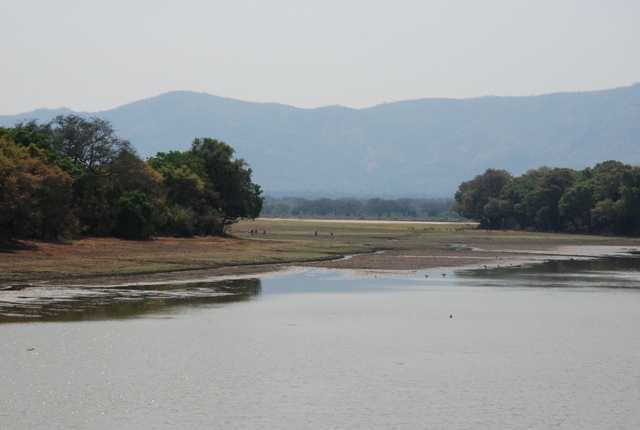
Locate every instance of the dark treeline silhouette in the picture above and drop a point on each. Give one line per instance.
(74, 176)
(376, 208)
(604, 199)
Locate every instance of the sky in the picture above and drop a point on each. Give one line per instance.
(93, 55)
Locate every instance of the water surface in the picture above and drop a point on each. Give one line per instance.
(556, 344)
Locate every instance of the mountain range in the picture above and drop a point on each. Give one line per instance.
(413, 148)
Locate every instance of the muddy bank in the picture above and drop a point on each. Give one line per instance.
(459, 256)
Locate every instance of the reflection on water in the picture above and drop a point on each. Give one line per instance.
(608, 272)
(81, 304)
(28, 303)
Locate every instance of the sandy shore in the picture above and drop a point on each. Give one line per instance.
(369, 246)
(385, 263)
(460, 258)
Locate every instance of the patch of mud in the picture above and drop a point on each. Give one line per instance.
(74, 304)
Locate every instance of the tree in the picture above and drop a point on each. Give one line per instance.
(189, 194)
(183, 175)
(514, 198)
(74, 174)
(134, 216)
(546, 196)
(236, 196)
(30, 134)
(605, 197)
(577, 201)
(607, 178)
(93, 148)
(628, 206)
(34, 195)
(604, 214)
(473, 196)
(89, 143)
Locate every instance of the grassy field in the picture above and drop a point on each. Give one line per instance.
(285, 241)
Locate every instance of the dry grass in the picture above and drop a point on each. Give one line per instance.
(285, 242)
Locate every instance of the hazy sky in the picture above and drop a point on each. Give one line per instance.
(96, 55)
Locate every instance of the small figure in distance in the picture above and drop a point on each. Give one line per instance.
(316, 232)
(264, 231)
(426, 276)
(331, 233)
(451, 316)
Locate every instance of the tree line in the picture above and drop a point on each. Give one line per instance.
(74, 176)
(375, 208)
(604, 199)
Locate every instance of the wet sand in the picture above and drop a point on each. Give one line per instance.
(375, 262)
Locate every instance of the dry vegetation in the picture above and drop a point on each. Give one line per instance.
(407, 246)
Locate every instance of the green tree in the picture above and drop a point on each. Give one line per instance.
(628, 206)
(607, 178)
(473, 197)
(134, 217)
(236, 196)
(189, 193)
(546, 196)
(92, 146)
(604, 214)
(577, 201)
(183, 175)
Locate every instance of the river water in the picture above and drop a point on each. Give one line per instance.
(551, 345)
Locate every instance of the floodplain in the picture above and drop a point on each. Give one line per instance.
(278, 244)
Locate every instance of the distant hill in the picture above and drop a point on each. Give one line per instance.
(422, 148)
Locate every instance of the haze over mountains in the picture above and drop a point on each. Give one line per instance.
(414, 148)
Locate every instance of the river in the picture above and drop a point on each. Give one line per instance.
(551, 345)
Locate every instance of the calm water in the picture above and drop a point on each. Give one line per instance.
(552, 345)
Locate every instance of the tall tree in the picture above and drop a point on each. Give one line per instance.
(237, 196)
(473, 197)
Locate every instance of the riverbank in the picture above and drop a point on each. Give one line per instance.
(281, 244)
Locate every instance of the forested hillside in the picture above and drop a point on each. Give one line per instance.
(415, 148)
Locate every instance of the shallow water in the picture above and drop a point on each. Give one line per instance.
(556, 344)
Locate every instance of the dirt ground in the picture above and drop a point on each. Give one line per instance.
(282, 244)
